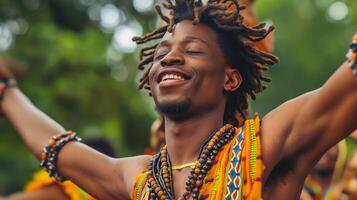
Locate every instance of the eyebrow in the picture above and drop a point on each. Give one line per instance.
(187, 39)
(192, 38)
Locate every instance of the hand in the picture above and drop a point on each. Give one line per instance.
(7, 79)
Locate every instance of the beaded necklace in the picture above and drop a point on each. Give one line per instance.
(160, 181)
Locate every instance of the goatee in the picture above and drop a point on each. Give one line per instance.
(173, 108)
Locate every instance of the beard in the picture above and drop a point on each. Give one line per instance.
(176, 108)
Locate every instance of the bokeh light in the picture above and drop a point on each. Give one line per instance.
(143, 6)
(6, 37)
(109, 17)
(338, 11)
(18, 26)
(94, 12)
(113, 56)
(120, 73)
(123, 35)
(122, 39)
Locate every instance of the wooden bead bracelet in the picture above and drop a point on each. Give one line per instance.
(50, 152)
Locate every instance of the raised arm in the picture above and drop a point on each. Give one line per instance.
(328, 117)
(307, 126)
(101, 176)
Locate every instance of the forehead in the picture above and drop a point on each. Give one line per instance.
(185, 29)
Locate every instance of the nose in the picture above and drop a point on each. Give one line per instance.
(172, 58)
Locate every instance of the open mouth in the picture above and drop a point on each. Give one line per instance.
(172, 75)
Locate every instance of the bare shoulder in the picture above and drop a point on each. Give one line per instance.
(131, 167)
(281, 169)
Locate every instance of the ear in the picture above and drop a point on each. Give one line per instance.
(232, 79)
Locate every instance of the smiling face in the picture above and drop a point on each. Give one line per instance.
(189, 73)
(223, 28)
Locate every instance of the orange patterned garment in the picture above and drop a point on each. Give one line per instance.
(237, 174)
(41, 179)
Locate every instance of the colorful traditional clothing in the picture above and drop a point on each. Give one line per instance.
(313, 191)
(237, 174)
(42, 179)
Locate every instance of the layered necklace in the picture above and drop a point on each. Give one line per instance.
(160, 181)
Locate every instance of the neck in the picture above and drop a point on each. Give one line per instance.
(185, 137)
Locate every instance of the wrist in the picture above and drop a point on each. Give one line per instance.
(5, 85)
(352, 55)
(7, 94)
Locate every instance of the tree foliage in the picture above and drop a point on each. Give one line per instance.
(64, 56)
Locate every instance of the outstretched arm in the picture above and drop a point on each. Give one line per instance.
(101, 176)
(76, 161)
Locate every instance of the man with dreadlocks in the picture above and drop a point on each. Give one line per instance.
(200, 75)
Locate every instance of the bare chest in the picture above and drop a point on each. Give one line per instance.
(179, 182)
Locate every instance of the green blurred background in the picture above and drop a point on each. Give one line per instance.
(75, 60)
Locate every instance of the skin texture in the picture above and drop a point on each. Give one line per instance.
(294, 135)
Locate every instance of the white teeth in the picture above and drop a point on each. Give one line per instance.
(172, 77)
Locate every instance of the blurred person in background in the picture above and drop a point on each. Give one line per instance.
(326, 176)
(157, 136)
(295, 134)
(346, 188)
(267, 44)
(327, 172)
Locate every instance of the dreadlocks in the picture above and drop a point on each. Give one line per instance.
(235, 39)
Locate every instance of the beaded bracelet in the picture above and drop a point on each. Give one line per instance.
(352, 55)
(5, 84)
(49, 154)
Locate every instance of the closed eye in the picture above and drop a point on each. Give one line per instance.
(194, 52)
(159, 56)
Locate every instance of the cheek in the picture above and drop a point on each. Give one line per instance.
(211, 83)
(214, 86)
(152, 74)
(214, 74)
(152, 80)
